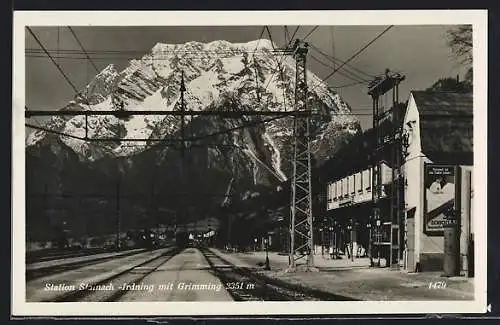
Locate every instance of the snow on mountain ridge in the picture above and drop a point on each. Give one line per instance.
(214, 45)
(213, 72)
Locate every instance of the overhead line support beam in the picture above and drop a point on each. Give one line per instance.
(125, 114)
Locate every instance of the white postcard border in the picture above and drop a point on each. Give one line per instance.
(478, 18)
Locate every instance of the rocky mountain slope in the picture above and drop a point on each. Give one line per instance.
(218, 76)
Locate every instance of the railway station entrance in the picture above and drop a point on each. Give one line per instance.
(352, 233)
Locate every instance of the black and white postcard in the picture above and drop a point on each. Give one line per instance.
(296, 162)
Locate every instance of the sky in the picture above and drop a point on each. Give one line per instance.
(420, 53)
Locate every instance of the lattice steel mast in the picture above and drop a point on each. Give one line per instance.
(301, 212)
(301, 221)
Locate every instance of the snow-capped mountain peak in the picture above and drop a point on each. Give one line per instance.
(248, 75)
(227, 158)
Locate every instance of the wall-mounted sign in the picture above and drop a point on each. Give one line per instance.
(439, 203)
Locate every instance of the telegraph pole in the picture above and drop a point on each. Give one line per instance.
(45, 205)
(118, 217)
(229, 230)
(182, 153)
(153, 213)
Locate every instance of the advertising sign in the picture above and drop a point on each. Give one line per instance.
(439, 204)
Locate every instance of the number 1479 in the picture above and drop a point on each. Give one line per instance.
(437, 285)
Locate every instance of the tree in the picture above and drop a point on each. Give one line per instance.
(452, 85)
(460, 41)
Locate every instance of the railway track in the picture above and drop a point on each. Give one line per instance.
(38, 272)
(133, 275)
(243, 284)
(54, 255)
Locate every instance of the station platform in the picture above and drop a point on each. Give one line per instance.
(251, 259)
(357, 279)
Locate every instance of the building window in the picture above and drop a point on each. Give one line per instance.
(369, 180)
(359, 182)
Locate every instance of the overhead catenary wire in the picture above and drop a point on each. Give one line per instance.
(358, 52)
(293, 35)
(192, 139)
(112, 54)
(287, 45)
(93, 65)
(270, 36)
(151, 59)
(309, 34)
(58, 39)
(348, 85)
(333, 42)
(113, 195)
(354, 83)
(282, 73)
(264, 28)
(139, 52)
(203, 137)
(126, 114)
(89, 59)
(161, 55)
(335, 60)
(41, 128)
(282, 58)
(168, 142)
(157, 57)
(341, 73)
(244, 126)
(53, 60)
(260, 37)
(277, 68)
(83, 49)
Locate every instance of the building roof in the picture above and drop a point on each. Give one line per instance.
(443, 103)
(446, 126)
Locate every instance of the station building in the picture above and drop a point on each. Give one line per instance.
(439, 152)
(348, 180)
(435, 179)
